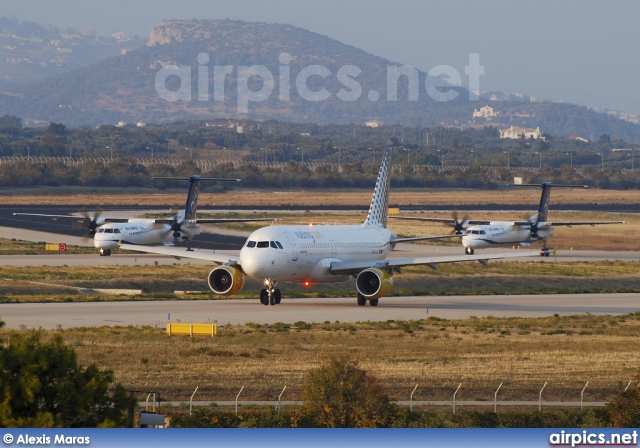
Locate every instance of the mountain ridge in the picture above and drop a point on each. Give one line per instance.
(123, 87)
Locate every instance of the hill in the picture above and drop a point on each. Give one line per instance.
(33, 52)
(131, 87)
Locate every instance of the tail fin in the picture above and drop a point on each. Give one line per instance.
(543, 208)
(379, 208)
(194, 189)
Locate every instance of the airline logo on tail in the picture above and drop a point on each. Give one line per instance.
(379, 208)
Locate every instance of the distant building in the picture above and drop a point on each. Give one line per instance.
(578, 138)
(373, 123)
(516, 132)
(121, 124)
(485, 112)
(140, 124)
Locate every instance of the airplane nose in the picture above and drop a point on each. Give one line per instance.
(105, 244)
(249, 263)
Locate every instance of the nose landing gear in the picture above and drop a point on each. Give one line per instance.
(105, 252)
(468, 250)
(270, 295)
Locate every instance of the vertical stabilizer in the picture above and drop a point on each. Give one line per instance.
(378, 211)
(192, 198)
(543, 208)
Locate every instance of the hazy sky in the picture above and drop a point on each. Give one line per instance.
(583, 52)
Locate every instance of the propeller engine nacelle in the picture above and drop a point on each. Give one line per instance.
(374, 283)
(225, 280)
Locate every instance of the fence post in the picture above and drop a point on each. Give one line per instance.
(411, 398)
(237, 398)
(495, 399)
(540, 397)
(278, 405)
(191, 400)
(454, 397)
(582, 395)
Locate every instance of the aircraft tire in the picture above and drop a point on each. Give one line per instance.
(468, 250)
(278, 295)
(361, 300)
(264, 297)
(373, 302)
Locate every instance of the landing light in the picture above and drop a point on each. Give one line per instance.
(306, 283)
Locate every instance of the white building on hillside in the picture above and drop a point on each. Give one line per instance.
(516, 132)
(485, 112)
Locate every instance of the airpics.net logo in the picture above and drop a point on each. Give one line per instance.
(256, 83)
(590, 438)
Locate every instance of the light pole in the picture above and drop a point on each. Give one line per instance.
(508, 160)
(476, 154)
(335, 147)
(374, 155)
(111, 149)
(571, 158)
(441, 157)
(540, 154)
(228, 154)
(151, 148)
(631, 154)
(601, 161)
(302, 149)
(190, 153)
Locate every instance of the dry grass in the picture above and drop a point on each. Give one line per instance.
(351, 197)
(438, 354)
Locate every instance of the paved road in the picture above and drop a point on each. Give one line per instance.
(237, 312)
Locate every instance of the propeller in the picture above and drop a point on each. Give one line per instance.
(460, 225)
(90, 222)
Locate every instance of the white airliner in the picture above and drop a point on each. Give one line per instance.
(321, 254)
(109, 231)
(479, 234)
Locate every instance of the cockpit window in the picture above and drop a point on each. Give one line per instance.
(108, 230)
(279, 245)
(263, 244)
(468, 232)
(251, 244)
(101, 231)
(273, 244)
(116, 230)
(482, 232)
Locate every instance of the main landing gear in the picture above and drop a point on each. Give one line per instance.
(362, 301)
(545, 252)
(270, 295)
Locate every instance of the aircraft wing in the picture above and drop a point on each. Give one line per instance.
(423, 238)
(355, 267)
(473, 222)
(183, 253)
(579, 223)
(77, 218)
(216, 220)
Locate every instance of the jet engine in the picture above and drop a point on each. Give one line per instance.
(374, 283)
(225, 280)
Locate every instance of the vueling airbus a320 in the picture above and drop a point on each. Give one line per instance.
(321, 254)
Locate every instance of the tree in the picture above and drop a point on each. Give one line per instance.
(624, 409)
(342, 395)
(42, 385)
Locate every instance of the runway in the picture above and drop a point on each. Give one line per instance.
(237, 312)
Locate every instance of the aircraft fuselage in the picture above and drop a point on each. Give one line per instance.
(305, 253)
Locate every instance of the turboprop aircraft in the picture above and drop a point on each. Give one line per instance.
(321, 254)
(479, 234)
(108, 231)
